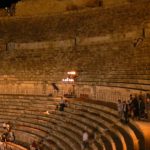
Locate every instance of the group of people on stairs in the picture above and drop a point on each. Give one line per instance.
(135, 108)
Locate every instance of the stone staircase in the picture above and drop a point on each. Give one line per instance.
(63, 130)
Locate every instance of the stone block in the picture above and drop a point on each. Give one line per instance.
(108, 3)
(44, 45)
(93, 40)
(147, 31)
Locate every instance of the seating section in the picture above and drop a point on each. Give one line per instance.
(103, 52)
(35, 118)
(125, 67)
(79, 23)
(107, 46)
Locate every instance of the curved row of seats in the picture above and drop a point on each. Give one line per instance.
(63, 130)
(79, 24)
(134, 73)
(12, 146)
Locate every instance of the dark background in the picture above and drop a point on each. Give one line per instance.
(7, 3)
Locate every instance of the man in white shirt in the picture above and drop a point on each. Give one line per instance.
(85, 139)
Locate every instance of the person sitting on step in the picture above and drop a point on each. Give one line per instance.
(62, 104)
(11, 136)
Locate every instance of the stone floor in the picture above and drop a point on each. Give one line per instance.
(145, 127)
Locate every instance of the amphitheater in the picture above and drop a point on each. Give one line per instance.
(106, 43)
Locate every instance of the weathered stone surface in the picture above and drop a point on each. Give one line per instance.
(42, 7)
(93, 22)
(108, 47)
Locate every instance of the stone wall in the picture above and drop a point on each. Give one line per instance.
(87, 23)
(109, 49)
(12, 85)
(45, 7)
(109, 94)
(101, 62)
(3, 46)
(40, 7)
(3, 12)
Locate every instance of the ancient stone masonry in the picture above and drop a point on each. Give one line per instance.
(117, 64)
(85, 23)
(44, 7)
(90, 52)
(108, 47)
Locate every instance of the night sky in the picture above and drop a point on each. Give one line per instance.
(7, 3)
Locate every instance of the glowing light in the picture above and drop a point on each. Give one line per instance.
(71, 73)
(68, 80)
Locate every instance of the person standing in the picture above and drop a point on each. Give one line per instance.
(120, 109)
(62, 104)
(85, 139)
(141, 109)
(135, 107)
(125, 112)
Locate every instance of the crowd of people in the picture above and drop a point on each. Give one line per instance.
(134, 108)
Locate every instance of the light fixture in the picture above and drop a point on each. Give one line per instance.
(71, 73)
(68, 80)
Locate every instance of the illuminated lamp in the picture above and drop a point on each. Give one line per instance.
(71, 73)
(68, 80)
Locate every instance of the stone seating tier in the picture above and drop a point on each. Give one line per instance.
(14, 146)
(81, 23)
(64, 129)
(130, 70)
